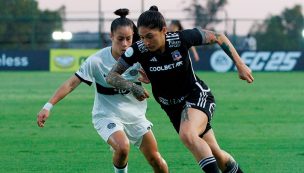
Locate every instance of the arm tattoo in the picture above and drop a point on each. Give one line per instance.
(210, 37)
(185, 116)
(137, 90)
(115, 79)
(227, 50)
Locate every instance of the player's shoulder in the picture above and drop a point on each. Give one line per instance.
(173, 39)
(140, 46)
(173, 34)
(186, 32)
(101, 55)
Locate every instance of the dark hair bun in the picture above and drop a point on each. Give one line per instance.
(153, 8)
(123, 12)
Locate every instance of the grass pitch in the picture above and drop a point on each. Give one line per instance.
(260, 124)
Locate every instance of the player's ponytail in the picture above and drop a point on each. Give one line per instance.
(123, 12)
(124, 21)
(151, 19)
(135, 35)
(153, 8)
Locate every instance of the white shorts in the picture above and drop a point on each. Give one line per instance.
(105, 127)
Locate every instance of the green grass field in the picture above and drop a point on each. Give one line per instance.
(261, 125)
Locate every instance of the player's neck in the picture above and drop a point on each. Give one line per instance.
(162, 48)
(115, 54)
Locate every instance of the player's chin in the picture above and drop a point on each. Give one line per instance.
(151, 49)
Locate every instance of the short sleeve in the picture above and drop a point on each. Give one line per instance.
(131, 55)
(191, 37)
(85, 72)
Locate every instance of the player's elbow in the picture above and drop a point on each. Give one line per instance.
(221, 38)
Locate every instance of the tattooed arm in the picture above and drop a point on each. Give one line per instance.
(210, 37)
(115, 79)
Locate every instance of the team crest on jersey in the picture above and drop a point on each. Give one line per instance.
(111, 125)
(176, 55)
(133, 72)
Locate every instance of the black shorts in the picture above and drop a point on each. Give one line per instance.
(199, 98)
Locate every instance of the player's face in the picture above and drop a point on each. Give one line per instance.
(121, 39)
(153, 39)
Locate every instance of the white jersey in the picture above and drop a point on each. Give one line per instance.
(110, 102)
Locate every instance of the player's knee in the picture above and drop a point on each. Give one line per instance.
(187, 138)
(122, 149)
(155, 160)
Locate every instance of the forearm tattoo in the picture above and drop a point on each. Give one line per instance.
(137, 90)
(210, 37)
(185, 116)
(227, 50)
(115, 79)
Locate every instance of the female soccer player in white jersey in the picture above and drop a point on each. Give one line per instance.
(117, 125)
(185, 98)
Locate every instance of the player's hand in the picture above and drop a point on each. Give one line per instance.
(245, 73)
(143, 76)
(139, 92)
(42, 116)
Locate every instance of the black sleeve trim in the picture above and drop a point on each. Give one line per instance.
(201, 33)
(192, 37)
(82, 80)
(124, 63)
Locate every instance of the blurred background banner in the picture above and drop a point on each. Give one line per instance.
(218, 61)
(24, 60)
(68, 60)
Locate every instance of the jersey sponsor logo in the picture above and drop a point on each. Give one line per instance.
(129, 52)
(176, 55)
(166, 67)
(7, 61)
(173, 40)
(257, 61)
(171, 101)
(172, 35)
(153, 59)
(64, 61)
(173, 43)
(141, 46)
(190, 104)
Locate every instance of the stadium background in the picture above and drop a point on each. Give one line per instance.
(260, 124)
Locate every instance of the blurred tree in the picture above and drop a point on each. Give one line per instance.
(205, 16)
(24, 26)
(281, 32)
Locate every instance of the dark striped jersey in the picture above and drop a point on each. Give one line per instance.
(171, 73)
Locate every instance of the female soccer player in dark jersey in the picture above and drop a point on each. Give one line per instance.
(185, 98)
